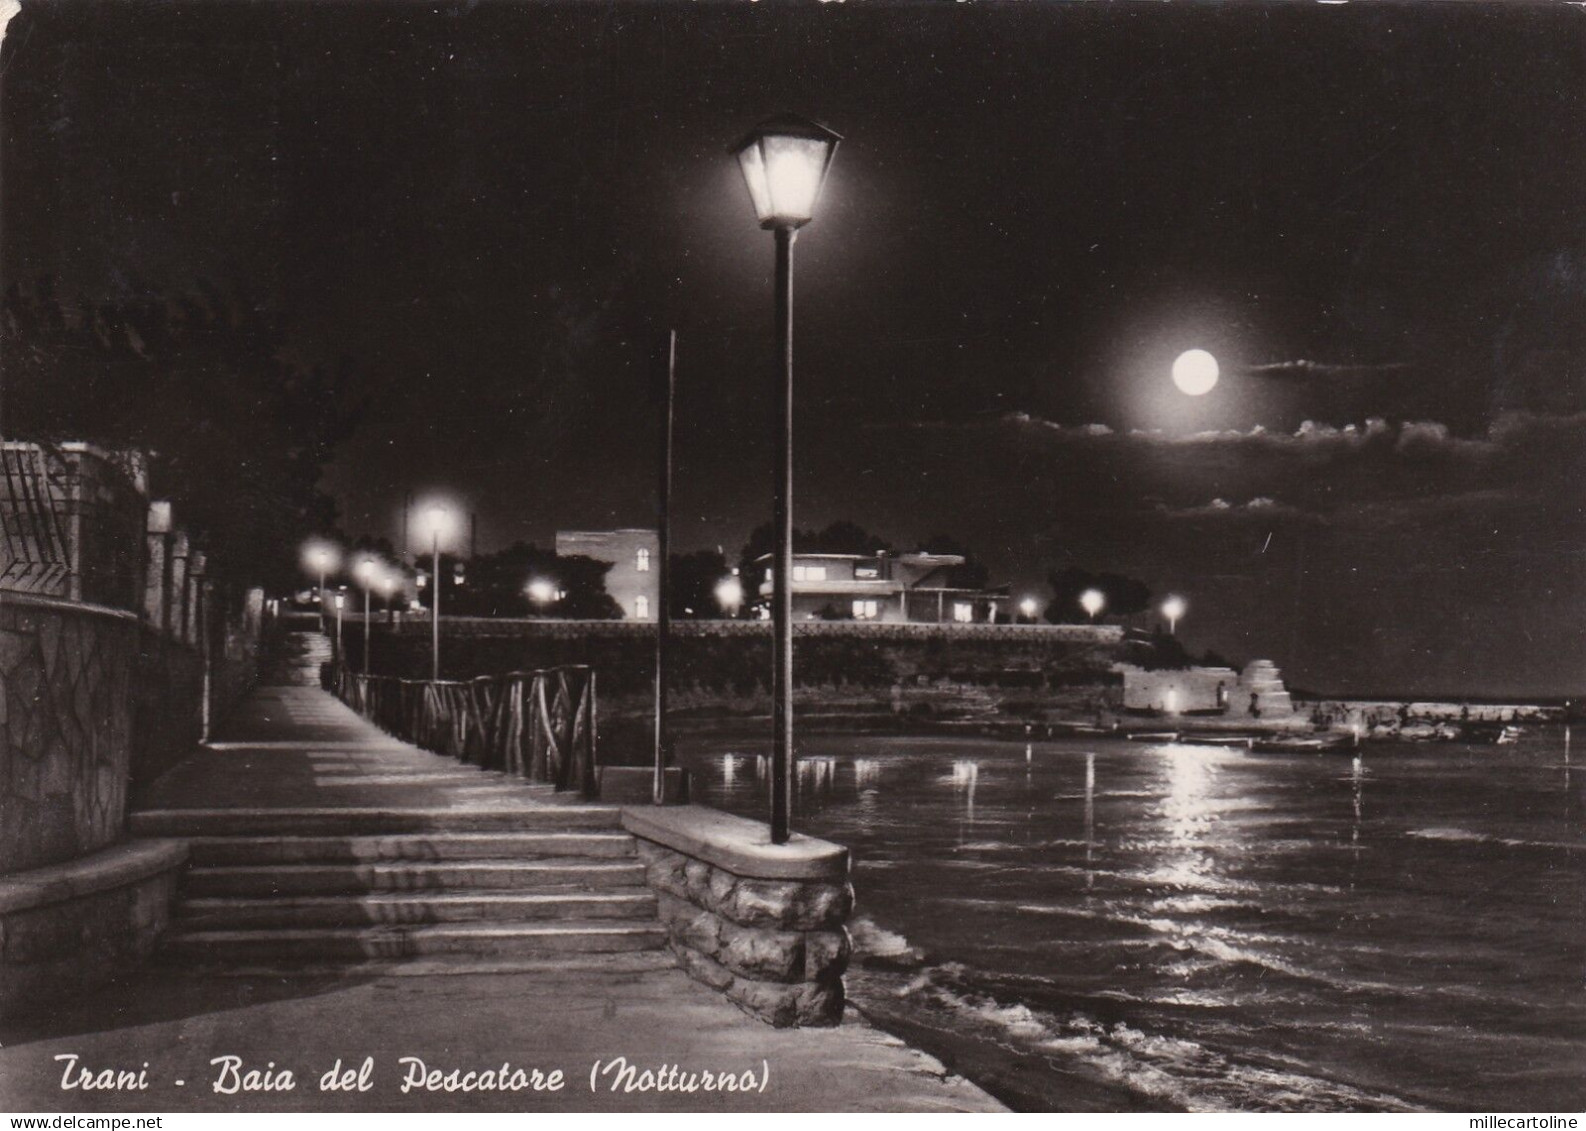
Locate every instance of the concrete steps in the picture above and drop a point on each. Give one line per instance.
(404, 909)
(322, 879)
(576, 936)
(219, 851)
(453, 890)
(349, 821)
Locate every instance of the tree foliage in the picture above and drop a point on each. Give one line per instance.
(1125, 595)
(237, 436)
(497, 585)
(691, 584)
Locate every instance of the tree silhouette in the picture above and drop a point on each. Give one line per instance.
(237, 436)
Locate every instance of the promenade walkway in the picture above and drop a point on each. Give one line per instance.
(291, 754)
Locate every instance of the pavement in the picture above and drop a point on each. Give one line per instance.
(170, 1030)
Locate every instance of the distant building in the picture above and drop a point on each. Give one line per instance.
(1255, 693)
(886, 588)
(634, 579)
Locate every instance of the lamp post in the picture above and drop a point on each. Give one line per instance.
(341, 599)
(365, 572)
(1027, 608)
(784, 161)
(1173, 608)
(1092, 601)
(321, 559)
(437, 519)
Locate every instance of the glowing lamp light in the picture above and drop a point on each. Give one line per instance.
(1173, 608)
(1195, 373)
(729, 594)
(1027, 607)
(320, 557)
(1092, 601)
(366, 571)
(784, 161)
(541, 591)
(437, 520)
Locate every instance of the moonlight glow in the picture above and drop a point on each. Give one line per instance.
(1195, 372)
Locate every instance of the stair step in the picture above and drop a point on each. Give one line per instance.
(327, 879)
(226, 850)
(406, 908)
(389, 942)
(352, 822)
(611, 966)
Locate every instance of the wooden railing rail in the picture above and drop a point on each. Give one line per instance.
(539, 725)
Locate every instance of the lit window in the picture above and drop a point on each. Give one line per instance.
(866, 573)
(641, 607)
(866, 610)
(642, 561)
(963, 612)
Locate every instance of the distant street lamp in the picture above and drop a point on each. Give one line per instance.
(1027, 608)
(541, 591)
(341, 599)
(366, 571)
(388, 583)
(1173, 608)
(322, 559)
(729, 595)
(436, 516)
(1093, 601)
(784, 162)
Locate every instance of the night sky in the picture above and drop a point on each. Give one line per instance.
(1372, 215)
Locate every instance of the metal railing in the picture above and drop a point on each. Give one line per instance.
(539, 725)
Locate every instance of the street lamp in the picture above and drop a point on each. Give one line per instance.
(784, 161)
(437, 516)
(322, 559)
(729, 595)
(541, 591)
(1027, 608)
(365, 572)
(387, 591)
(341, 599)
(1093, 601)
(1173, 608)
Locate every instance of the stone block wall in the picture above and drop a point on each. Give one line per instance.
(68, 928)
(66, 675)
(764, 924)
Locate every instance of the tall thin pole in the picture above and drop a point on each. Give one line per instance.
(407, 544)
(782, 575)
(435, 608)
(367, 585)
(663, 619)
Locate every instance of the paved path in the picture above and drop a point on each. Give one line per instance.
(295, 746)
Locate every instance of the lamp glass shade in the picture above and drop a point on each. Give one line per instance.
(784, 163)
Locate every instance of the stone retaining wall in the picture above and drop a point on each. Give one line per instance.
(66, 675)
(68, 928)
(762, 925)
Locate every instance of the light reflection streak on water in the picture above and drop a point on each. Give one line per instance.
(966, 775)
(1090, 820)
(1191, 811)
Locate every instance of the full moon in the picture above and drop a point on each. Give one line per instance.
(1195, 372)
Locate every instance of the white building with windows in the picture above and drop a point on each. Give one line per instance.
(891, 588)
(634, 578)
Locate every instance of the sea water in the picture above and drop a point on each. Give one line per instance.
(1110, 925)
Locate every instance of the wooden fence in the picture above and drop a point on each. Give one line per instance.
(539, 725)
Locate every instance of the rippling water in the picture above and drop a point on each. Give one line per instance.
(1115, 925)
